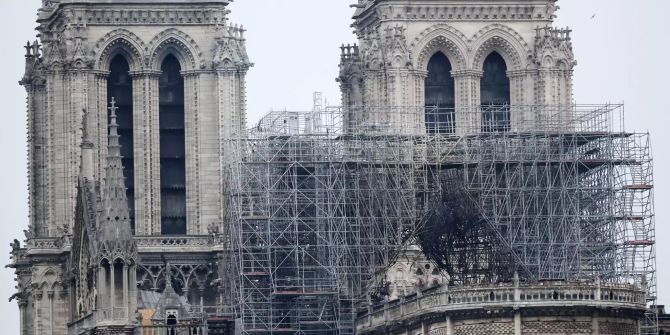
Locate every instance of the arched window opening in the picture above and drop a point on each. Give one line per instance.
(495, 95)
(172, 148)
(171, 322)
(118, 284)
(439, 96)
(120, 87)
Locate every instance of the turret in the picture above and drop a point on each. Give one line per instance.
(116, 248)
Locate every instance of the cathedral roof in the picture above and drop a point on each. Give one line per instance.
(114, 235)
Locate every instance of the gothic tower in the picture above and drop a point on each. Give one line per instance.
(144, 183)
(457, 57)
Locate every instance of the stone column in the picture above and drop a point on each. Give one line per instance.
(102, 288)
(595, 324)
(192, 148)
(133, 290)
(517, 323)
(468, 101)
(450, 326)
(112, 281)
(418, 100)
(125, 290)
(62, 310)
(521, 113)
(37, 296)
(146, 147)
(50, 295)
(55, 125)
(23, 304)
(98, 118)
(37, 141)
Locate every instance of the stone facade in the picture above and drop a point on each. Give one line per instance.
(66, 77)
(87, 268)
(396, 40)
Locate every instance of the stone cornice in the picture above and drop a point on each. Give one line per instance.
(122, 14)
(427, 10)
(467, 73)
(145, 73)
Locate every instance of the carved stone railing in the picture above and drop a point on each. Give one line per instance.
(41, 245)
(173, 330)
(539, 295)
(178, 243)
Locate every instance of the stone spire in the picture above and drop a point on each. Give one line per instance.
(171, 300)
(114, 222)
(87, 150)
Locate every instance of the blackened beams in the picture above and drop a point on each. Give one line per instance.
(173, 163)
(495, 95)
(120, 87)
(440, 97)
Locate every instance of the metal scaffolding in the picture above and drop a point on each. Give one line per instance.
(321, 201)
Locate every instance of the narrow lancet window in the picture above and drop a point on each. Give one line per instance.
(495, 95)
(439, 91)
(172, 148)
(120, 87)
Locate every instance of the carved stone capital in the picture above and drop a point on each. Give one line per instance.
(145, 74)
(100, 74)
(475, 74)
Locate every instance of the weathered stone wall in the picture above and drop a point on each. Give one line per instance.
(529, 326)
(396, 40)
(79, 40)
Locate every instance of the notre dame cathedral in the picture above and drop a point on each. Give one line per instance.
(132, 106)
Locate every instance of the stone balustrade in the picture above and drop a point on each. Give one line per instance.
(178, 243)
(144, 243)
(538, 295)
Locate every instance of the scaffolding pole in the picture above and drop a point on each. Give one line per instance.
(320, 202)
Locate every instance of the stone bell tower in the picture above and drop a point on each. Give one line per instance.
(176, 70)
(458, 55)
(167, 60)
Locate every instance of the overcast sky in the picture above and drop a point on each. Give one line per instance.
(622, 55)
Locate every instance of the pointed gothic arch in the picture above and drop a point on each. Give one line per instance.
(178, 44)
(119, 42)
(440, 38)
(503, 40)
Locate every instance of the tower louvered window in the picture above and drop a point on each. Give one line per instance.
(495, 95)
(439, 91)
(172, 148)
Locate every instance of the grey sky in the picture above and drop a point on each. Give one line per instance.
(294, 44)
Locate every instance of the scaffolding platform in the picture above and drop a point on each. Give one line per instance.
(325, 199)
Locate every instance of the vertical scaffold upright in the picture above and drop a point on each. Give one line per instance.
(320, 202)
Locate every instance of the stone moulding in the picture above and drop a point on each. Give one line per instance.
(536, 296)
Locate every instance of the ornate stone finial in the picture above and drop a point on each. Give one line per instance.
(112, 109)
(28, 48)
(36, 49)
(16, 245)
